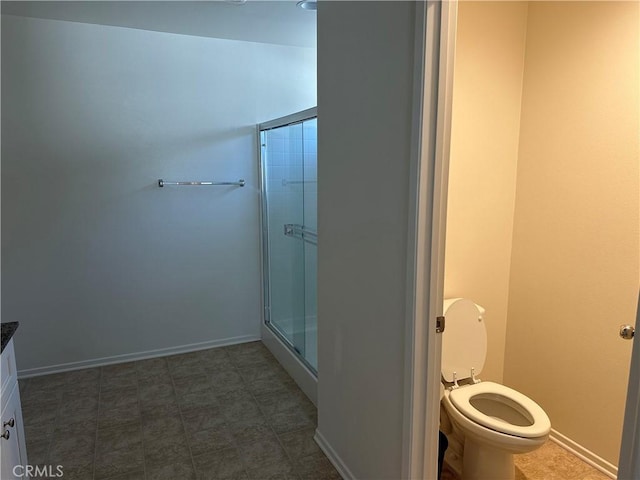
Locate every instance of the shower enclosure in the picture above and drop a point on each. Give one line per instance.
(288, 166)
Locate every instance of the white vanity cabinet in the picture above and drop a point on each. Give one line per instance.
(13, 451)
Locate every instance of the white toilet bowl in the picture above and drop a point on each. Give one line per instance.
(492, 421)
(495, 422)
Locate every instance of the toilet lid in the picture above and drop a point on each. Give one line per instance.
(538, 425)
(464, 341)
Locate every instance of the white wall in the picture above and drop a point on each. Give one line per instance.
(365, 73)
(97, 260)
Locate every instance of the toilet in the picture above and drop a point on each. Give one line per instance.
(487, 423)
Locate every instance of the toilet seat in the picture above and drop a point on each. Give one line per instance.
(518, 403)
(464, 343)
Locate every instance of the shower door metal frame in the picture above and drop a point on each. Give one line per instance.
(295, 118)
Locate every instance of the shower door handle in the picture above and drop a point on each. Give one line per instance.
(301, 232)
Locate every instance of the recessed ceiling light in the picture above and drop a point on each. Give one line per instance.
(236, 2)
(308, 4)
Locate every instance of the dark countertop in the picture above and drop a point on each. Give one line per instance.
(8, 329)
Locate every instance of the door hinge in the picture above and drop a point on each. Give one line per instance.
(439, 324)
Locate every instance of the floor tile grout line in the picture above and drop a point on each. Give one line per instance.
(49, 435)
(53, 431)
(235, 444)
(184, 428)
(26, 384)
(235, 366)
(144, 457)
(95, 447)
(293, 463)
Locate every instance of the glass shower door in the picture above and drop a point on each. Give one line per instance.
(310, 211)
(289, 226)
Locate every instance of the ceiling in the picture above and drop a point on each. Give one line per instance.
(279, 22)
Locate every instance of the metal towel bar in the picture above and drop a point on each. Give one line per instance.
(286, 182)
(162, 183)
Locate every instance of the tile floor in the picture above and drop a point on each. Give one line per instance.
(224, 413)
(550, 462)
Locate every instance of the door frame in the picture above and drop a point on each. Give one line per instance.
(433, 94)
(435, 48)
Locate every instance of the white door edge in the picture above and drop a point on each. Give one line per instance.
(435, 42)
(629, 461)
(413, 436)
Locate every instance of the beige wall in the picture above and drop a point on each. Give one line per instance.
(562, 147)
(484, 148)
(574, 267)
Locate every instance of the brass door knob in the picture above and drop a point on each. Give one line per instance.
(627, 331)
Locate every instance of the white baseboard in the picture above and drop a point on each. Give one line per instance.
(333, 457)
(130, 357)
(583, 454)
